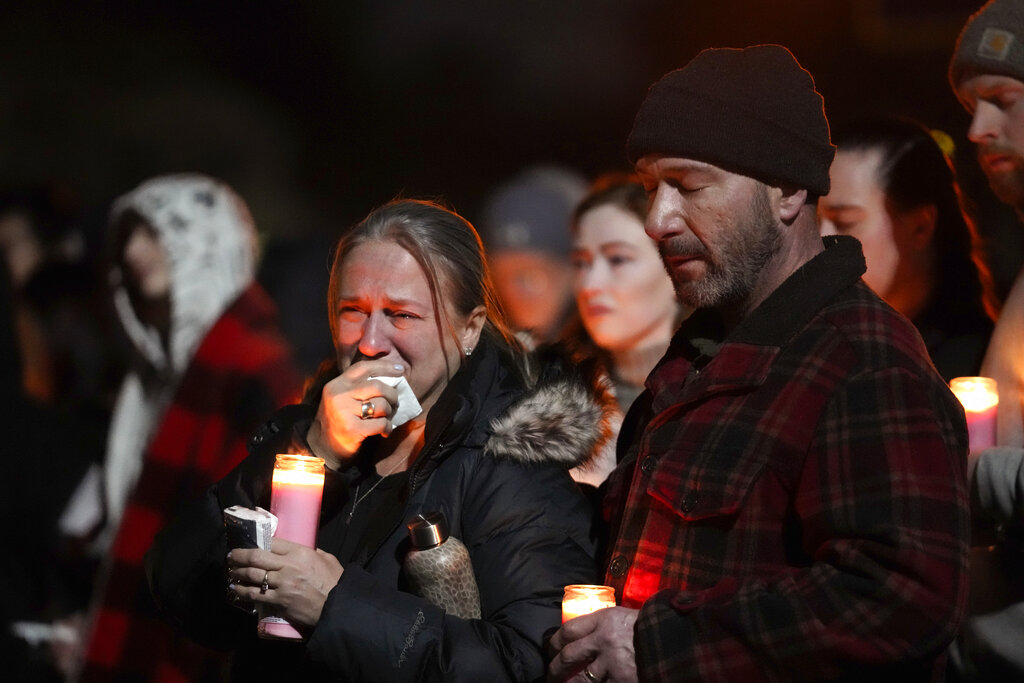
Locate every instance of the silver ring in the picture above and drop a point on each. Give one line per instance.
(264, 587)
(590, 675)
(366, 410)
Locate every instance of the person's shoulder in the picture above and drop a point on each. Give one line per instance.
(246, 335)
(859, 321)
(280, 430)
(253, 316)
(508, 491)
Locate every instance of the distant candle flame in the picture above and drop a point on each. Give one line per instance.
(977, 394)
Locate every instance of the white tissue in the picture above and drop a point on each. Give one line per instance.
(408, 407)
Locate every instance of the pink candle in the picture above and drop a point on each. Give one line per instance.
(582, 599)
(296, 491)
(981, 402)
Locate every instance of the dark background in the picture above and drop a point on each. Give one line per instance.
(317, 110)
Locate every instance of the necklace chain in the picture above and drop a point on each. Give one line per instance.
(357, 499)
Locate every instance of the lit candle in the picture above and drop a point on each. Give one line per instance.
(582, 599)
(296, 491)
(981, 402)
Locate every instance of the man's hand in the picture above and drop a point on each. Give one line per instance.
(595, 647)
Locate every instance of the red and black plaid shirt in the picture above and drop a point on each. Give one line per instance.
(792, 501)
(240, 373)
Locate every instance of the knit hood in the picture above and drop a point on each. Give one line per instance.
(211, 244)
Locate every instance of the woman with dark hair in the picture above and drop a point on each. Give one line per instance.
(409, 297)
(626, 306)
(894, 189)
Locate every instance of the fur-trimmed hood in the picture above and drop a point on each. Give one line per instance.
(563, 418)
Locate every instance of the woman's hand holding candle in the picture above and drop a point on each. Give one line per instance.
(297, 486)
(298, 579)
(340, 427)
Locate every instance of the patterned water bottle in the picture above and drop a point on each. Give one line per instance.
(438, 567)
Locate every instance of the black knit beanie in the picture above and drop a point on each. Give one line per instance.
(991, 42)
(752, 111)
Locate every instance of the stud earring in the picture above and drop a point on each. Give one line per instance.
(469, 351)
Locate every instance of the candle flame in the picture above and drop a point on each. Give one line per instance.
(584, 599)
(303, 470)
(977, 394)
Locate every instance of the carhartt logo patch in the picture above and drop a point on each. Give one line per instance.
(995, 44)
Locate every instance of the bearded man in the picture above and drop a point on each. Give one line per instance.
(790, 502)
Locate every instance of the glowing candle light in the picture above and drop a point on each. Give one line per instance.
(981, 401)
(296, 491)
(582, 599)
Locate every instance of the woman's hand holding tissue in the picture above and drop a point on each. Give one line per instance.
(353, 407)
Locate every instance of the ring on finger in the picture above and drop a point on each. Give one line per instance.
(265, 586)
(366, 410)
(590, 675)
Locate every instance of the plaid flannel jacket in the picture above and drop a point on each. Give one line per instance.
(794, 506)
(240, 373)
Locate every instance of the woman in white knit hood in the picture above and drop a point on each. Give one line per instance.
(210, 365)
(209, 249)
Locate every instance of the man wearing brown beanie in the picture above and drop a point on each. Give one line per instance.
(987, 75)
(791, 501)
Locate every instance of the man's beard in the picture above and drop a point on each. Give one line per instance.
(1008, 186)
(738, 257)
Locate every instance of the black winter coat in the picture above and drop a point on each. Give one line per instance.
(495, 461)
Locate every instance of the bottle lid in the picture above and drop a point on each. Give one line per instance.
(427, 530)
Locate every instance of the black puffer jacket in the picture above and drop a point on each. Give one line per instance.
(494, 461)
